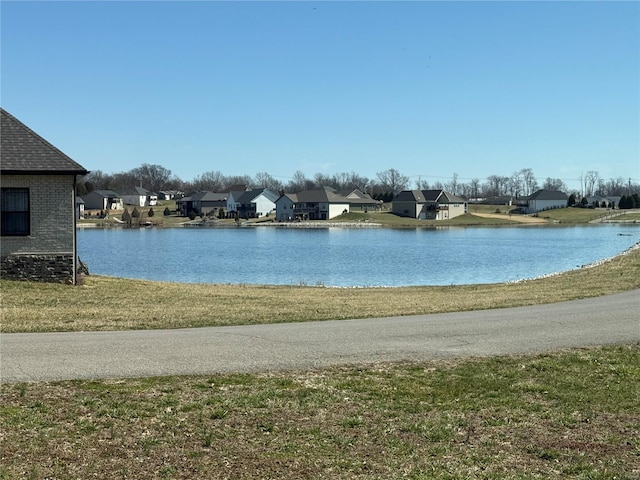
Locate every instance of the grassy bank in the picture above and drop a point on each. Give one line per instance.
(572, 414)
(104, 303)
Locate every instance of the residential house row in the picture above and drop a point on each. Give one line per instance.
(322, 203)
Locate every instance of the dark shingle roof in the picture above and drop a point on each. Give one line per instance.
(24, 151)
(136, 191)
(548, 195)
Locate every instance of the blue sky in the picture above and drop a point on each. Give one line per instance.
(428, 88)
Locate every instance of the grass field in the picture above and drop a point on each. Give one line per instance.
(571, 414)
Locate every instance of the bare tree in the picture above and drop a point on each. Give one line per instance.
(496, 186)
(213, 181)
(265, 180)
(591, 180)
(299, 182)
(452, 186)
(474, 188)
(515, 185)
(529, 182)
(422, 184)
(554, 184)
(151, 177)
(392, 181)
(235, 180)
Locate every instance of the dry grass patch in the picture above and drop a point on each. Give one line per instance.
(573, 414)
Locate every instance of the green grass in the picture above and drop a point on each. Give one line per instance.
(571, 414)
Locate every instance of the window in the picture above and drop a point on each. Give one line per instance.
(15, 212)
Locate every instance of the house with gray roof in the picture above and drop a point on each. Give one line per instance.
(102, 200)
(428, 204)
(362, 202)
(322, 203)
(255, 203)
(542, 200)
(139, 197)
(38, 203)
(202, 203)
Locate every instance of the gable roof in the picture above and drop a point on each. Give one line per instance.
(322, 194)
(143, 192)
(424, 196)
(548, 195)
(22, 151)
(206, 196)
(104, 193)
(251, 195)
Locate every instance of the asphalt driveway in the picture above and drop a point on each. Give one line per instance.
(294, 346)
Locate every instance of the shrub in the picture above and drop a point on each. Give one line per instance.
(126, 216)
(151, 213)
(167, 212)
(135, 213)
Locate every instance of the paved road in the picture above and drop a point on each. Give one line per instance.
(57, 356)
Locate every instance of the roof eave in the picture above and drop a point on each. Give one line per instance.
(44, 172)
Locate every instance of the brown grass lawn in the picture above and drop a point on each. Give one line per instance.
(572, 414)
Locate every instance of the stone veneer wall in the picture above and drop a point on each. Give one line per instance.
(55, 267)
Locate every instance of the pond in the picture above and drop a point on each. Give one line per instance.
(348, 257)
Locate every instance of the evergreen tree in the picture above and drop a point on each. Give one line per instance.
(151, 213)
(167, 212)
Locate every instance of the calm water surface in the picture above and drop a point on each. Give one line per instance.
(348, 257)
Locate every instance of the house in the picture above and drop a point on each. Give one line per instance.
(362, 202)
(139, 197)
(103, 200)
(317, 204)
(543, 200)
(232, 199)
(79, 208)
(428, 205)
(603, 202)
(256, 203)
(202, 203)
(170, 194)
(37, 206)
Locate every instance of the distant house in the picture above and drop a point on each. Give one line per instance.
(138, 196)
(362, 202)
(603, 202)
(543, 200)
(258, 202)
(232, 200)
(428, 205)
(102, 200)
(170, 194)
(202, 203)
(318, 204)
(38, 206)
(79, 208)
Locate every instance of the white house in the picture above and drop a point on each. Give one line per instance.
(254, 203)
(138, 196)
(543, 200)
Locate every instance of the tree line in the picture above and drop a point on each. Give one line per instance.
(384, 186)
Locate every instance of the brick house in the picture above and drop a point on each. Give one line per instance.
(37, 206)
